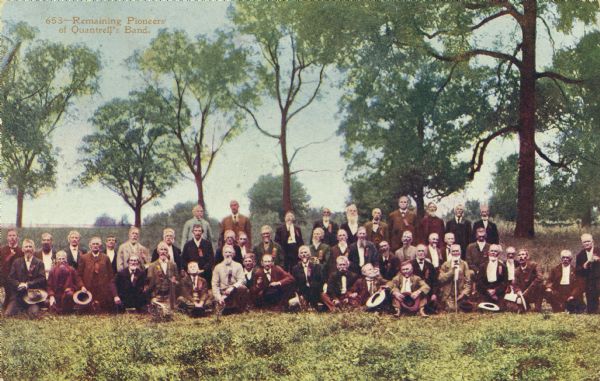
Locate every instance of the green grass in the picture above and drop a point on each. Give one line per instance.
(305, 346)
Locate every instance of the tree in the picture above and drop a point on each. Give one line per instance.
(130, 154)
(207, 77)
(265, 196)
(40, 85)
(291, 71)
(406, 124)
(105, 220)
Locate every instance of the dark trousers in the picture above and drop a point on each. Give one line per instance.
(592, 292)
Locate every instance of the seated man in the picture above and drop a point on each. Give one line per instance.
(244, 243)
(249, 266)
(424, 269)
(338, 285)
(194, 294)
(273, 286)
(319, 250)
(454, 281)
(367, 285)
(131, 286)
(308, 276)
(362, 251)
(564, 285)
(491, 279)
(26, 273)
(529, 281)
(163, 277)
(407, 252)
(511, 264)
(341, 249)
(63, 282)
(228, 287)
(477, 251)
(409, 291)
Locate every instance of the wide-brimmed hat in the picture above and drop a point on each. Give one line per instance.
(82, 297)
(35, 296)
(465, 306)
(487, 306)
(376, 299)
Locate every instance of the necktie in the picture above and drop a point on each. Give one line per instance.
(370, 283)
(268, 274)
(132, 276)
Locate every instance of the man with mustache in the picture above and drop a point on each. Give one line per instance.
(228, 287)
(408, 284)
(132, 247)
(329, 227)
(131, 286)
(47, 254)
(268, 246)
(401, 220)
(96, 273)
(309, 277)
(338, 286)
(63, 282)
(377, 230)
(274, 286)
(430, 224)
(26, 273)
(564, 285)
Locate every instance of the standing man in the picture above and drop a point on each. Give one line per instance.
(236, 222)
(587, 266)
(47, 254)
(319, 251)
(377, 230)
(131, 247)
(268, 246)
(461, 227)
(431, 223)
(198, 219)
(8, 254)
(491, 230)
(362, 252)
(244, 243)
(74, 251)
(448, 242)
(289, 236)
(229, 239)
(434, 253)
(339, 250)
(351, 224)
(112, 250)
(477, 251)
(401, 220)
(200, 251)
(26, 273)
(329, 227)
(174, 251)
(96, 273)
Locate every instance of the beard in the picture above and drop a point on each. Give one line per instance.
(352, 219)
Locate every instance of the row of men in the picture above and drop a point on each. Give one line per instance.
(399, 221)
(427, 280)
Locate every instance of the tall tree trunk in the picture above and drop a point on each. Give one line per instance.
(527, 122)
(138, 216)
(586, 217)
(200, 188)
(20, 197)
(287, 180)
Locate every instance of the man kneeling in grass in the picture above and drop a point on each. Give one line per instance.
(409, 291)
(194, 294)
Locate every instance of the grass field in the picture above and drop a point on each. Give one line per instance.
(306, 346)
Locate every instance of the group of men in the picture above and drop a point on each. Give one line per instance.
(374, 266)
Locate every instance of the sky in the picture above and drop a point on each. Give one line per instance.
(239, 164)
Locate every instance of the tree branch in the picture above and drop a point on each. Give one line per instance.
(480, 147)
(560, 77)
(313, 96)
(559, 164)
(489, 19)
(466, 56)
(308, 145)
(256, 124)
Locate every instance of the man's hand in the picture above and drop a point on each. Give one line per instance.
(274, 284)
(229, 290)
(415, 294)
(117, 300)
(354, 295)
(22, 286)
(51, 301)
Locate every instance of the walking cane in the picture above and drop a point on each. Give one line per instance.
(455, 288)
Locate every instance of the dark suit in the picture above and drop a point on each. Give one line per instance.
(398, 224)
(132, 294)
(242, 224)
(188, 288)
(371, 255)
(377, 236)
(177, 257)
(529, 280)
(331, 230)
(35, 278)
(334, 283)
(309, 284)
(272, 248)
(559, 293)
(474, 256)
(331, 264)
(430, 224)
(290, 249)
(592, 278)
(7, 256)
(492, 235)
(351, 237)
(202, 254)
(159, 283)
(97, 276)
(462, 233)
(428, 274)
(361, 287)
(390, 267)
(71, 260)
(114, 260)
(267, 295)
(483, 284)
(63, 281)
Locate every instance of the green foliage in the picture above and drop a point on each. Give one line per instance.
(302, 346)
(265, 196)
(38, 89)
(207, 77)
(129, 153)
